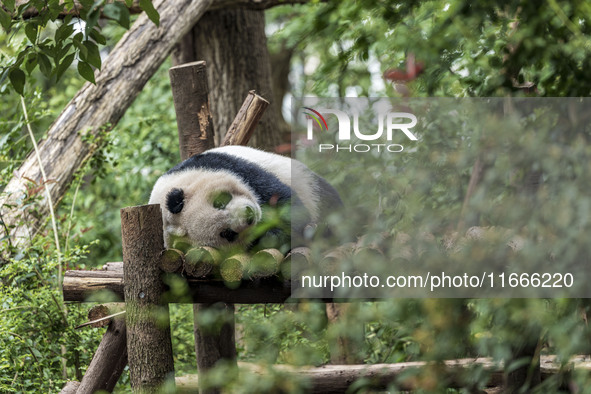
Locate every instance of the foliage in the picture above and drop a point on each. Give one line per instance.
(43, 41)
(467, 48)
(37, 331)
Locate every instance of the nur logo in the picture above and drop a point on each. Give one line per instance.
(390, 123)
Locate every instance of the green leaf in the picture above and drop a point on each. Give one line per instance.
(5, 19)
(128, 3)
(31, 62)
(31, 32)
(64, 65)
(44, 65)
(9, 5)
(94, 56)
(63, 32)
(93, 15)
(17, 79)
(98, 37)
(148, 7)
(77, 39)
(64, 51)
(86, 71)
(117, 12)
(82, 51)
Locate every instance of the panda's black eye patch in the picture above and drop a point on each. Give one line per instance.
(221, 200)
(175, 200)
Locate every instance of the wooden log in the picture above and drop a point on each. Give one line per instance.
(200, 261)
(191, 103)
(78, 286)
(97, 312)
(296, 259)
(113, 266)
(83, 285)
(108, 361)
(148, 324)
(102, 315)
(132, 62)
(245, 122)
(232, 269)
(171, 260)
(264, 263)
(339, 378)
(332, 261)
(71, 387)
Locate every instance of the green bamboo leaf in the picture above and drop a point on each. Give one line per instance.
(86, 71)
(17, 79)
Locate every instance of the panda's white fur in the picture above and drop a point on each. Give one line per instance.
(252, 177)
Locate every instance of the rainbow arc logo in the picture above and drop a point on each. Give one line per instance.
(316, 117)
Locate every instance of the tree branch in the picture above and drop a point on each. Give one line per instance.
(135, 8)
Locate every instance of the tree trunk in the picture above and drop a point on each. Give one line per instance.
(234, 46)
(280, 65)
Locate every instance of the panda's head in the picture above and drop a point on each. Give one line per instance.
(205, 208)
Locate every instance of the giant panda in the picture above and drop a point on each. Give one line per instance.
(219, 197)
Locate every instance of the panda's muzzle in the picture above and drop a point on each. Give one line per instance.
(229, 235)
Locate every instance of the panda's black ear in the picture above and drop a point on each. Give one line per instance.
(175, 200)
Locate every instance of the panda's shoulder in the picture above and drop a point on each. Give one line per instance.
(214, 161)
(263, 158)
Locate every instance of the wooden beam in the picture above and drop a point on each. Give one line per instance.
(80, 286)
(148, 324)
(108, 361)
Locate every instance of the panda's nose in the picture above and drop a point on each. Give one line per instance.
(250, 215)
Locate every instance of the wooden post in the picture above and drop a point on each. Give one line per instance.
(109, 360)
(191, 104)
(246, 120)
(148, 324)
(195, 128)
